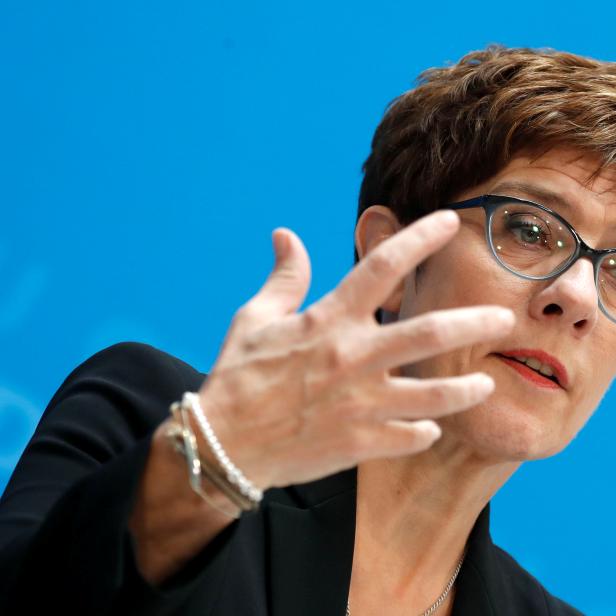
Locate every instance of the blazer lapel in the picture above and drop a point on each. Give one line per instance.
(480, 588)
(312, 548)
(312, 539)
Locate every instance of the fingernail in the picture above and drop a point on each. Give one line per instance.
(281, 242)
(449, 218)
(430, 428)
(485, 384)
(434, 431)
(505, 316)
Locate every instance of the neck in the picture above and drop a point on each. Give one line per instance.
(414, 516)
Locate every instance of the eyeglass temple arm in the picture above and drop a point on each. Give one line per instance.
(463, 205)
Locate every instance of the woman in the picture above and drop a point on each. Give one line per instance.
(372, 450)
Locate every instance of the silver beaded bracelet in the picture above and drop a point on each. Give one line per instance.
(233, 474)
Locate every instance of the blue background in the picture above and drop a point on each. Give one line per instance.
(149, 148)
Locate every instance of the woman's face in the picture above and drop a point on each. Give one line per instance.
(520, 420)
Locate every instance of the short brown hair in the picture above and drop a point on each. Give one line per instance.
(463, 123)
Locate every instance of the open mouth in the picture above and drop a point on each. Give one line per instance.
(531, 373)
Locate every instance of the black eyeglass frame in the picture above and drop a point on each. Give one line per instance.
(490, 203)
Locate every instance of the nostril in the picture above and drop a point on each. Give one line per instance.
(552, 309)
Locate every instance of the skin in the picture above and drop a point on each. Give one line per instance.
(414, 514)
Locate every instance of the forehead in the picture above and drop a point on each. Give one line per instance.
(566, 169)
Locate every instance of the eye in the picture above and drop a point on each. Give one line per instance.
(528, 231)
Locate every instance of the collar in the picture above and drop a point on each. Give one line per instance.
(312, 532)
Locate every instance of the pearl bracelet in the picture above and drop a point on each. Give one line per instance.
(234, 475)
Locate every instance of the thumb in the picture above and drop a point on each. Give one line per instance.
(287, 284)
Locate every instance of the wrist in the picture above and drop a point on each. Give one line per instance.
(242, 449)
(212, 498)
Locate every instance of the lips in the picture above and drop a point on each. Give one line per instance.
(559, 370)
(516, 359)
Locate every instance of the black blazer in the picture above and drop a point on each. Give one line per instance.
(65, 546)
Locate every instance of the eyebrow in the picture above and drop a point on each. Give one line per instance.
(536, 193)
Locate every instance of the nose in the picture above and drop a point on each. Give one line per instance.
(571, 299)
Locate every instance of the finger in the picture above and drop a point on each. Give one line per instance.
(375, 277)
(286, 286)
(430, 334)
(407, 398)
(395, 438)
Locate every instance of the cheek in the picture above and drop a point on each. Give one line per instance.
(595, 384)
(464, 273)
(485, 282)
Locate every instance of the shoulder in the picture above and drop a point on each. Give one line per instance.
(136, 362)
(129, 382)
(108, 407)
(527, 587)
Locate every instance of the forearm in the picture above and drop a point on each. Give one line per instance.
(169, 521)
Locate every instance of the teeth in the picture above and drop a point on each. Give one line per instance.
(546, 370)
(535, 364)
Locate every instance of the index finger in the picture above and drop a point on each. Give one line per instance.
(375, 277)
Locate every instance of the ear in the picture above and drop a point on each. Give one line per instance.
(377, 223)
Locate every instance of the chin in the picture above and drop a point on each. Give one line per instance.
(506, 436)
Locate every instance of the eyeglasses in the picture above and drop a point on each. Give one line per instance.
(536, 243)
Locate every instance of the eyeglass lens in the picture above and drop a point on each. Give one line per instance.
(532, 242)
